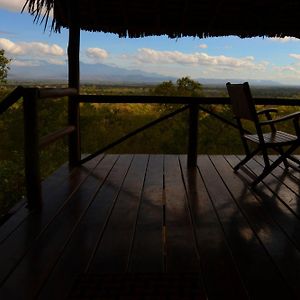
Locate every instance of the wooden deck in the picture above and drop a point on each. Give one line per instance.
(141, 217)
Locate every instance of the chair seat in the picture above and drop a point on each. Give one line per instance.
(271, 138)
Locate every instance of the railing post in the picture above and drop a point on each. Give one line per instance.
(31, 149)
(74, 137)
(193, 135)
(74, 82)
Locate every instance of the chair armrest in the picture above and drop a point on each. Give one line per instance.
(294, 115)
(267, 110)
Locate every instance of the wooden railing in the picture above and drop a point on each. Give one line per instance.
(33, 144)
(194, 104)
(11, 99)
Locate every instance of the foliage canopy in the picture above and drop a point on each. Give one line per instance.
(4, 66)
(184, 86)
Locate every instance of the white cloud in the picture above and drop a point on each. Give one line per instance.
(25, 63)
(151, 56)
(54, 61)
(284, 68)
(32, 48)
(289, 73)
(96, 54)
(32, 53)
(285, 39)
(43, 48)
(10, 47)
(297, 56)
(36, 63)
(13, 5)
(203, 46)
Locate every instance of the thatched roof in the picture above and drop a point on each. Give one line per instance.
(176, 18)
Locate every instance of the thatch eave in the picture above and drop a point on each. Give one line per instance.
(175, 18)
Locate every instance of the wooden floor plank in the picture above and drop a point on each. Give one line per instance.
(113, 252)
(80, 248)
(285, 176)
(181, 249)
(220, 274)
(22, 238)
(143, 215)
(281, 213)
(268, 282)
(16, 217)
(44, 252)
(147, 252)
(291, 200)
(285, 255)
(236, 227)
(22, 212)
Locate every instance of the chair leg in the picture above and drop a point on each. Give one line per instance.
(246, 159)
(289, 157)
(265, 157)
(268, 169)
(281, 152)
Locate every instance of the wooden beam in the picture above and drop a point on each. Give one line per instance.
(180, 100)
(57, 92)
(74, 82)
(10, 99)
(152, 99)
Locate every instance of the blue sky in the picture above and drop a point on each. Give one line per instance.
(228, 57)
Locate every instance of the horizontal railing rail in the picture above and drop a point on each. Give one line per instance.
(54, 136)
(56, 92)
(41, 93)
(179, 100)
(151, 99)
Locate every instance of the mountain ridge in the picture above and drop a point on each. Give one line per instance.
(105, 74)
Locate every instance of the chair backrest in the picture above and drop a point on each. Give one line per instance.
(242, 102)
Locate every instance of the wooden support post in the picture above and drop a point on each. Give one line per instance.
(193, 135)
(74, 82)
(31, 149)
(74, 137)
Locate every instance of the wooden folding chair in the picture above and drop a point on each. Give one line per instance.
(283, 143)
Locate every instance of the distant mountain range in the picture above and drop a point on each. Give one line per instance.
(105, 74)
(92, 73)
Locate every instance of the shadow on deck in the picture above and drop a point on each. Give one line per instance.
(128, 227)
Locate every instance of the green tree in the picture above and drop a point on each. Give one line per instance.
(184, 86)
(166, 88)
(188, 87)
(4, 66)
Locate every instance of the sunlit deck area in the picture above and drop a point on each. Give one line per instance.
(144, 227)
